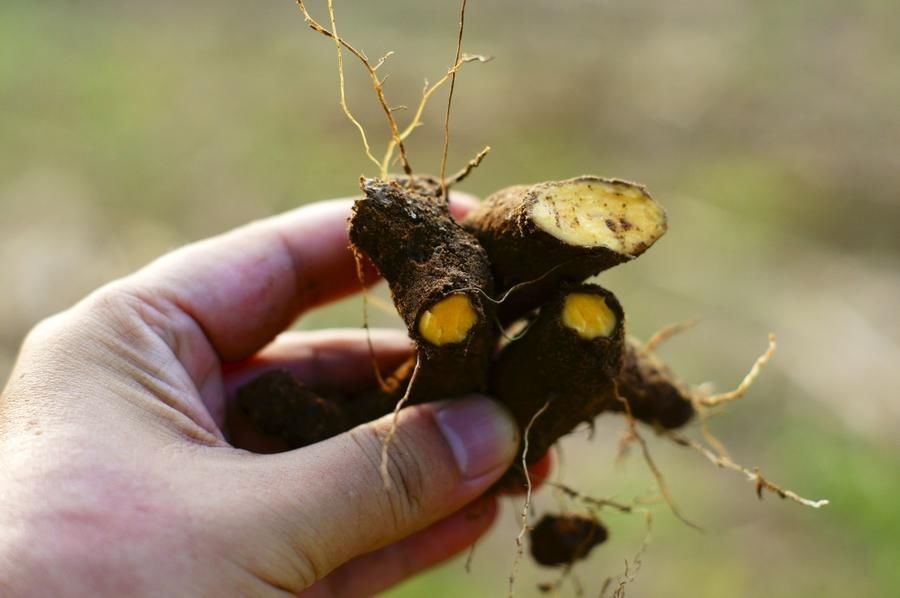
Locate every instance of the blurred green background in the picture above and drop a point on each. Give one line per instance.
(769, 129)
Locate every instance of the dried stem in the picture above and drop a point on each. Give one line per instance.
(446, 149)
(377, 84)
(520, 539)
(762, 484)
(416, 121)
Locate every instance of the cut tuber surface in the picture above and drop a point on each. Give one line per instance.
(541, 236)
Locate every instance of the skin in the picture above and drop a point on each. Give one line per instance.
(126, 470)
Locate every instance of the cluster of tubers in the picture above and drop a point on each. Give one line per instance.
(518, 262)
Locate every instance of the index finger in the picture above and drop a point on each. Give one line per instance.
(244, 287)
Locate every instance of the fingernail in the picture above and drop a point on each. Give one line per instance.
(481, 433)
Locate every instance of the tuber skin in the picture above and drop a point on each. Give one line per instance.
(565, 361)
(654, 394)
(438, 275)
(541, 236)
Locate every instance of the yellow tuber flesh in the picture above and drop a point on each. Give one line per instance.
(593, 213)
(448, 321)
(588, 315)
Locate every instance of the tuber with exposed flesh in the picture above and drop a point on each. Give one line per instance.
(540, 236)
(566, 363)
(439, 277)
(573, 355)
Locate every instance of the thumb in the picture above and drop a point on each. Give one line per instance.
(327, 503)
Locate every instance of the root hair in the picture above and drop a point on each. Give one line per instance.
(389, 438)
(651, 464)
(761, 483)
(520, 539)
(361, 277)
(665, 333)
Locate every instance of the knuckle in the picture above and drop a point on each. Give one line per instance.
(113, 305)
(113, 302)
(45, 330)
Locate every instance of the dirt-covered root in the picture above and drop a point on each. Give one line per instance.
(560, 540)
(567, 360)
(543, 235)
(439, 277)
(285, 408)
(656, 396)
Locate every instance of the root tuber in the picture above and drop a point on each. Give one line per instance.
(569, 359)
(560, 540)
(541, 236)
(438, 275)
(656, 396)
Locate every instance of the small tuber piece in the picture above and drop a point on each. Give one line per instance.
(560, 540)
(654, 394)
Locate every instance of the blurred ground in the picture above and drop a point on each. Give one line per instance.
(770, 130)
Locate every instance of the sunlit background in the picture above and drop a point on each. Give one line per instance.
(769, 129)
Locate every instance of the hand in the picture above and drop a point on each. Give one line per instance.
(124, 469)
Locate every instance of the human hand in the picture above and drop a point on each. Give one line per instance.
(124, 469)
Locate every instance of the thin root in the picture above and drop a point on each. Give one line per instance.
(651, 464)
(386, 443)
(377, 84)
(516, 287)
(710, 438)
(520, 539)
(589, 501)
(468, 168)
(666, 333)
(416, 121)
(745, 384)
(754, 475)
(361, 277)
(631, 569)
